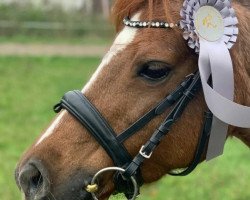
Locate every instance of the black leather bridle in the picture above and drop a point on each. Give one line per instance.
(86, 113)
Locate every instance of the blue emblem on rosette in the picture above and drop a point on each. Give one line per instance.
(210, 28)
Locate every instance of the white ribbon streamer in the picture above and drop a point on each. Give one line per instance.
(215, 62)
(222, 107)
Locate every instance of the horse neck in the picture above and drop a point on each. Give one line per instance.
(242, 48)
(241, 57)
(241, 61)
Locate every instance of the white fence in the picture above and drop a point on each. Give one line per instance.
(67, 5)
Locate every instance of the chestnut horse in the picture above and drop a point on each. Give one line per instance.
(140, 69)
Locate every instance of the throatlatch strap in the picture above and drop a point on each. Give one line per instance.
(80, 107)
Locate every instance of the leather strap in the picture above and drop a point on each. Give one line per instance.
(158, 110)
(208, 118)
(86, 113)
(80, 107)
(147, 150)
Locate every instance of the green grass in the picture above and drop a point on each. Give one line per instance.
(31, 86)
(227, 177)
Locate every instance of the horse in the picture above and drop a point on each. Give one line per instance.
(142, 67)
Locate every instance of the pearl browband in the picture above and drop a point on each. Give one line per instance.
(148, 24)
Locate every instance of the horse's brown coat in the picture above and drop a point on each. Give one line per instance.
(122, 98)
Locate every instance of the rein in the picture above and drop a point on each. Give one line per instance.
(127, 178)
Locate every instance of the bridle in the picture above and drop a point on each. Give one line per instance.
(127, 178)
(81, 108)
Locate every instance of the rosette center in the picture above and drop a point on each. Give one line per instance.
(209, 23)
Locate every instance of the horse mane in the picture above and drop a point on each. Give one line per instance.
(122, 8)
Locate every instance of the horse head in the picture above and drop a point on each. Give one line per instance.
(142, 67)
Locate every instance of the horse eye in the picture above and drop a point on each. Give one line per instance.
(154, 71)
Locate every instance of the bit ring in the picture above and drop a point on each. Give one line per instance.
(94, 185)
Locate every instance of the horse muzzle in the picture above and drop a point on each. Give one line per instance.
(32, 178)
(34, 181)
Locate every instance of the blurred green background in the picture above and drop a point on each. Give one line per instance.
(31, 84)
(54, 20)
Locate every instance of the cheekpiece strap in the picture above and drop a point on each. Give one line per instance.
(147, 149)
(158, 110)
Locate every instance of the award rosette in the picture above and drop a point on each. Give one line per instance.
(210, 27)
(211, 20)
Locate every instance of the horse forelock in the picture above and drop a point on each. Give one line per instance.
(123, 8)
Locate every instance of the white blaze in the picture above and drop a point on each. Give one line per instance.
(51, 128)
(123, 39)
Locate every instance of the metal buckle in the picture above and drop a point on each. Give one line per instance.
(94, 185)
(144, 154)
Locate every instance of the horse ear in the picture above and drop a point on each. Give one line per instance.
(123, 8)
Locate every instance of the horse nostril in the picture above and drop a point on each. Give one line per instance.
(33, 180)
(36, 182)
